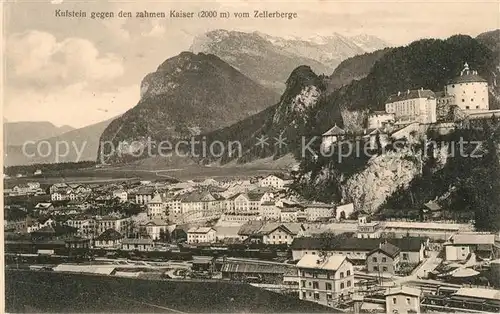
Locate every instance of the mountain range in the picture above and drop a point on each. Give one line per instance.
(86, 141)
(17, 133)
(269, 60)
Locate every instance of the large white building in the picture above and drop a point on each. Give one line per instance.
(325, 279)
(469, 90)
(412, 106)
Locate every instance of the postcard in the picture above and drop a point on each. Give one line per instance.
(251, 156)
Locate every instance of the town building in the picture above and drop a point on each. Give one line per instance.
(142, 245)
(366, 229)
(269, 211)
(156, 208)
(44, 207)
(66, 192)
(412, 106)
(319, 211)
(30, 188)
(325, 279)
(437, 231)
(289, 214)
(244, 203)
(357, 249)
(256, 271)
(461, 245)
(119, 224)
(378, 119)
(277, 181)
(121, 195)
(280, 233)
(344, 211)
(86, 225)
(201, 235)
(144, 195)
(383, 259)
(109, 239)
(155, 228)
(402, 300)
(469, 90)
(331, 136)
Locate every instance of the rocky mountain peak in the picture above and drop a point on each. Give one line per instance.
(303, 89)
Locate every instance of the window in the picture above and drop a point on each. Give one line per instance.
(329, 296)
(341, 275)
(463, 100)
(315, 275)
(452, 86)
(315, 285)
(384, 260)
(303, 295)
(477, 107)
(393, 300)
(467, 107)
(348, 273)
(316, 296)
(342, 285)
(472, 99)
(328, 286)
(405, 256)
(408, 301)
(384, 268)
(303, 283)
(374, 259)
(375, 268)
(328, 276)
(348, 283)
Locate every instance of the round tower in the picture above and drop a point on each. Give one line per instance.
(469, 90)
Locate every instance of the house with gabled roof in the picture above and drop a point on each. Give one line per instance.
(383, 259)
(109, 239)
(275, 233)
(331, 136)
(325, 279)
(201, 235)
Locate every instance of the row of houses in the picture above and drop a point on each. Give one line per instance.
(263, 204)
(30, 188)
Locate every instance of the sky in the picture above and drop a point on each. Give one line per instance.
(80, 71)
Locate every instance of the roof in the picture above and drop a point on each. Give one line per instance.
(335, 130)
(423, 225)
(318, 205)
(156, 222)
(473, 238)
(43, 205)
(433, 206)
(403, 290)
(387, 248)
(156, 199)
(338, 243)
(469, 77)
(479, 293)
(331, 262)
(200, 229)
(251, 227)
(255, 267)
(137, 241)
(411, 94)
(109, 235)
